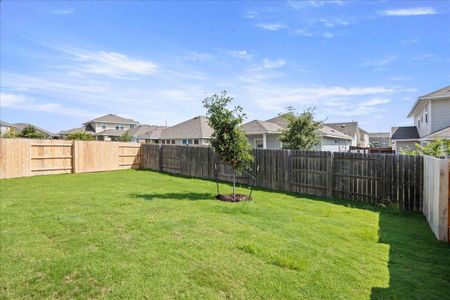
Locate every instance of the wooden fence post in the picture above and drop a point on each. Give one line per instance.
(75, 157)
(330, 176)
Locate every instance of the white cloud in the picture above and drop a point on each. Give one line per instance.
(328, 35)
(414, 11)
(272, 26)
(251, 14)
(198, 56)
(243, 54)
(273, 64)
(313, 3)
(422, 57)
(335, 100)
(381, 62)
(331, 23)
(303, 32)
(24, 102)
(114, 64)
(62, 11)
(366, 107)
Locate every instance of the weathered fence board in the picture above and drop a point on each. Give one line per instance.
(370, 178)
(435, 196)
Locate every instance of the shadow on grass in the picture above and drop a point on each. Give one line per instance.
(175, 196)
(419, 264)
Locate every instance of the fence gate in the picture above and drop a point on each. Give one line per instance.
(309, 172)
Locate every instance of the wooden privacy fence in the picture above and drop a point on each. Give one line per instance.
(371, 178)
(24, 157)
(436, 195)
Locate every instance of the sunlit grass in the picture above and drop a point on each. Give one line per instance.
(136, 234)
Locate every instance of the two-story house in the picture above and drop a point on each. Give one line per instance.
(431, 114)
(360, 137)
(105, 128)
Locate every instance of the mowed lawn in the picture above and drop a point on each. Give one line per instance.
(140, 234)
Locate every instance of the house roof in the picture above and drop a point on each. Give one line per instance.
(141, 129)
(111, 118)
(21, 126)
(5, 124)
(195, 128)
(280, 120)
(347, 128)
(151, 135)
(73, 130)
(404, 133)
(379, 135)
(442, 93)
(112, 132)
(260, 127)
(327, 131)
(274, 125)
(443, 133)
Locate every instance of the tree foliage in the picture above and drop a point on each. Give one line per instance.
(124, 138)
(437, 148)
(302, 131)
(31, 132)
(228, 140)
(80, 136)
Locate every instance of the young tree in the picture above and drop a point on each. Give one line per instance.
(437, 148)
(125, 138)
(80, 136)
(228, 141)
(31, 132)
(302, 131)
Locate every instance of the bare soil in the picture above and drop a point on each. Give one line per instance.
(230, 198)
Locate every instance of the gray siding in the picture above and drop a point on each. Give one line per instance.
(440, 114)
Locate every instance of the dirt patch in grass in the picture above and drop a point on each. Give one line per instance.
(230, 198)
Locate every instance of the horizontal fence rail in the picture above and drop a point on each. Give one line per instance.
(25, 157)
(369, 178)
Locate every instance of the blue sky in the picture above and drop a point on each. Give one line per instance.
(63, 63)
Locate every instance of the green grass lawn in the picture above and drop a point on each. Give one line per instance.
(139, 234)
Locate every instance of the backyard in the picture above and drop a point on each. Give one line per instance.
(136, 234)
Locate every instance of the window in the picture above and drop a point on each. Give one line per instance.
(167, 141)
(184, 142)
(103, 125)
(426, 115)
(259, 144)
(173, 142)
(163, 141)
(132, 126)
(196, 141)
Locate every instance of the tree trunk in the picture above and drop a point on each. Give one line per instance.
(234, 183)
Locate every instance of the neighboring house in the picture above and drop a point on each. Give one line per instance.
(47, 134)
(360, 138)
(404, 138)
(380, 139)
(195, 131)
(109, 127)
(266, 135)
(65, 133)
(151, 137)
(431, 114)
(150, 131)
(7, 128)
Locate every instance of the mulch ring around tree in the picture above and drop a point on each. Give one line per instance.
(230, 198)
